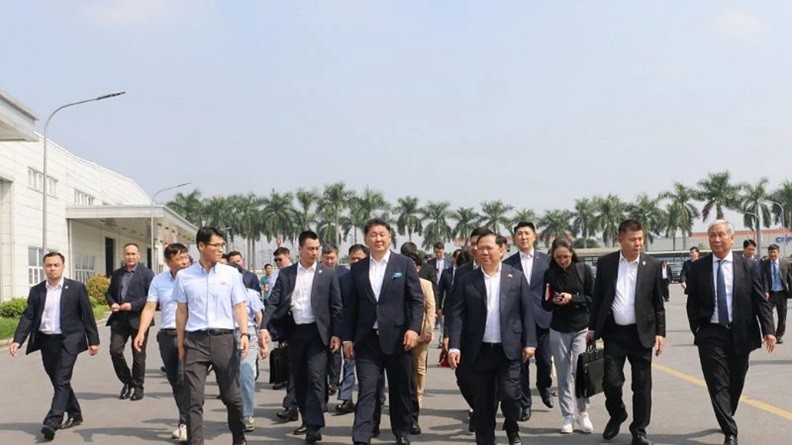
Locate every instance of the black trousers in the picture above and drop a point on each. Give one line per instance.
(290, 399)
(120, 332)
(621, 344)
(174, 370)
(664, 289)
(544, 359)
(492, 376)
(779, 301)
(219, 351)
(308, 365)
(59, 364)
(724, 371)
(370, 361)
(334, 367)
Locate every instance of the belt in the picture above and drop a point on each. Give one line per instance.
(214, 331)
(50, 335)
(167, 331)
(727, 326)
(491, 345)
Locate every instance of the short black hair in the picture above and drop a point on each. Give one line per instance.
(356, 247)
(281, 251)
(306, 235)
(478, 232)
(630, 225)
(463, 257)
(773, 247)
(268, 265)
(225, 256)
(522, 224)
(52, 254)
(749, 242)
(327, 249)
(501, 240)
(174, 249)
(205, 234)
(696, 249)
(234, 253)
(416, 258)
(439, 245)
(131, 244)
(376, 222)
(408, 248)
(485, 232)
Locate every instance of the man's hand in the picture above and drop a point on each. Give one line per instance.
(767, 295)
(527, 353)
(264, 351)
(444, 345)
(138, 342)
(127, 307)
(410, 339)
(115, 307)
(453, 359)
(335, 343)
(426, 337)
(93, 349)
(263, 338)
(13, 349)
(683, 284)
(589, 338)
(770, 342)
(349, 350)
(244, 345)
(659, 345)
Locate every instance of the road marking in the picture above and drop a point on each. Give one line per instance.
(772, 409)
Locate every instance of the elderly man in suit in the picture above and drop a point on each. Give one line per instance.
(728, 316)
(533, 265)
(492, 330)
(305, 304)
(59, 321)
(627, 312)
(382, 322)
(126, 296)
(777, 279)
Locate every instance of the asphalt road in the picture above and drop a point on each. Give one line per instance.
(682, 413)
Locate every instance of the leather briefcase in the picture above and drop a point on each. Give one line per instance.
(279, 364)
(590, 372)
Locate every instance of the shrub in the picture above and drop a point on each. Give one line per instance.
(97, 285)
(13, 308)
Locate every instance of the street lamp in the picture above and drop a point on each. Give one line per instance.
(44, 185)
(153, 255)
(783, 223)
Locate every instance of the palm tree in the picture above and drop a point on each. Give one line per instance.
(365, 207)
(408, 220)
(437, 228)
(555, 224)
(219, 213)
(681, 212)
(783, 196)
(329, 226)
(755, 207)
(525, 214)
(647, 211)
(249, 207)
(467, 220)
(610, 213)
(717, 191)
(279, 216)
(189, 206)
(306, 215)
(495, 215)
(335, 199)
(584, 219)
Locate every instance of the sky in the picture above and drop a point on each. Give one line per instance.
(533, 103)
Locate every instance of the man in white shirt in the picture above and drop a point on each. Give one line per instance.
(777, 282)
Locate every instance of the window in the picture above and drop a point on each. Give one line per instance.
(35, 266)
(52, 186)
(84, 267)
(82, 198)
(36, 182)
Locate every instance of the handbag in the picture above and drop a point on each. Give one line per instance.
(590, 372)
(279, 364)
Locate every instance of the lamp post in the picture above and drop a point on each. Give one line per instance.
(153, 255)
(44, 185)
(783, 224)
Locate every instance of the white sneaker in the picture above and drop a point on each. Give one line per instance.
(182, 434)
(584, 422)
(568, 428)
(175, 433)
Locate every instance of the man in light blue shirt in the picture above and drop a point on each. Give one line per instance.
(161, 293)
(210, 296)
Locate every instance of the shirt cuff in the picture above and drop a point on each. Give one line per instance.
(454, 350)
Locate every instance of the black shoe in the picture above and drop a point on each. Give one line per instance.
(300, 430)
(313, 435)
(641, 439)
(162, 368)
(137, 395)
(730, 439)
(525, 414)
(472, 422)
(375, 432)
(415, 429)
(126, 391)
(70, 422)
(48, 432)
(332, 389)
(288, 414)
(547, 398)
(403, 440)
(244, 442)
(612, 428)
(514, 438)
(779, 341)
(279, 385)
(345, 407)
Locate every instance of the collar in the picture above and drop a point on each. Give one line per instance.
(57, 286)
(384, 259)
(527, 256)
(128, 270)
(497, 272)
(312, 268)
(729, 258)
(622, 258)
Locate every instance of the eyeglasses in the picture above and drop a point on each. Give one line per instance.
(216, 245)
(562, 257)
(277, 260)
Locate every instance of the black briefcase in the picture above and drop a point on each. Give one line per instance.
(590, 372)
(279, 364)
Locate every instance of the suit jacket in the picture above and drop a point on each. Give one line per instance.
(649, 310)
(429, 315)
(784, 270)
(325, 302)
(251, 280)
(77, 322)
(749, 307)
(429, 273)
(540, 263)
(400, 306)
(444, 287)
(137, 292)
(467, 316)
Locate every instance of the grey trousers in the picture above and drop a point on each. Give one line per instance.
(566, 347)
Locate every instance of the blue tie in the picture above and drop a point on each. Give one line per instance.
(776, 278)
(723, 309)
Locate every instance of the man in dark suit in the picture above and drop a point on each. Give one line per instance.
(533, 265)
(695, 253)
(725, 309)
(627, 312)
(381, 324)
(306, 304)
(443, 268)
(492, 330)
(126, 297)
(777, 279)
(60, 322)
(249, 279)
(330, 259)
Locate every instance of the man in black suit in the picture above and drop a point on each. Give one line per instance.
(443, 268)
(695, 253)
(725, 309)
(126, 297)
(306, 304)
(330, 259)
(536, 264)
(627, 312)
(777, 279)
(60, 322)
(250, 279)
(492, 329)
(382, 320)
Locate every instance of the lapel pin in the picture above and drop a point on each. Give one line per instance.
(510, 275)
(643, 263)
(320, 270)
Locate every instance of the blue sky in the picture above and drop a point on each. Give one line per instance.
(534, 103)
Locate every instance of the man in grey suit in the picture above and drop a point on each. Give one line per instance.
(777, 281)
(306, 304)
(533, 265)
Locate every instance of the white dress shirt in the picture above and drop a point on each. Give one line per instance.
(301, 308)
(210, 296)
(377, 276)
(50, 317)
(492, 330)
(527, 260)
(728, 277)
(624, 302)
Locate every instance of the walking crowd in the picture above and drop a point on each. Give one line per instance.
(376, 320)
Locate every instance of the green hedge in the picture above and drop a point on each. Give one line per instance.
(96, 286)
(13, 308)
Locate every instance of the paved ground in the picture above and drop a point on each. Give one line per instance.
(681, 415)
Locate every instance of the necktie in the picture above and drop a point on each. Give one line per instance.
(723, 309)
(776, 281)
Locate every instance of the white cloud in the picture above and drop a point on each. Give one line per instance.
(739, 24)
(142, 12)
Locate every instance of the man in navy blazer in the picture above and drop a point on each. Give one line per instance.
(59, 321)
(126, 297)
(249, 279)
(306, 304)
(382, 322)
(524, 234)
(491, 330)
